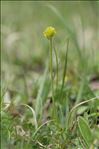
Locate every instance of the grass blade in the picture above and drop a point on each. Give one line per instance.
(65, 70)
(42, 93)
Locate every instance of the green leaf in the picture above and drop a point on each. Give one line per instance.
(85, 131)
(42, 93)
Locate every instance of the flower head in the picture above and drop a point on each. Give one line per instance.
(49, 32)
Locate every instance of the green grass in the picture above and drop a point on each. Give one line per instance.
(29, 118)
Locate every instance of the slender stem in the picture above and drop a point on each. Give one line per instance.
(51, 72)
(56, 66)
(51, 67)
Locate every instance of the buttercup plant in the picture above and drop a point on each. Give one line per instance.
(49, 34)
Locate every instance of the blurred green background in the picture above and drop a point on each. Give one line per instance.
(25, 50)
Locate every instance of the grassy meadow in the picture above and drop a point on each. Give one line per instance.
(50, 85)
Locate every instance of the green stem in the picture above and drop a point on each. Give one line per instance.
(51, 67)
(56, 66)
(51, 72)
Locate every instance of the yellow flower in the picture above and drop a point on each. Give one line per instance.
(49, 32)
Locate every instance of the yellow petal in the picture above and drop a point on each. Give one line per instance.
(49, 32)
